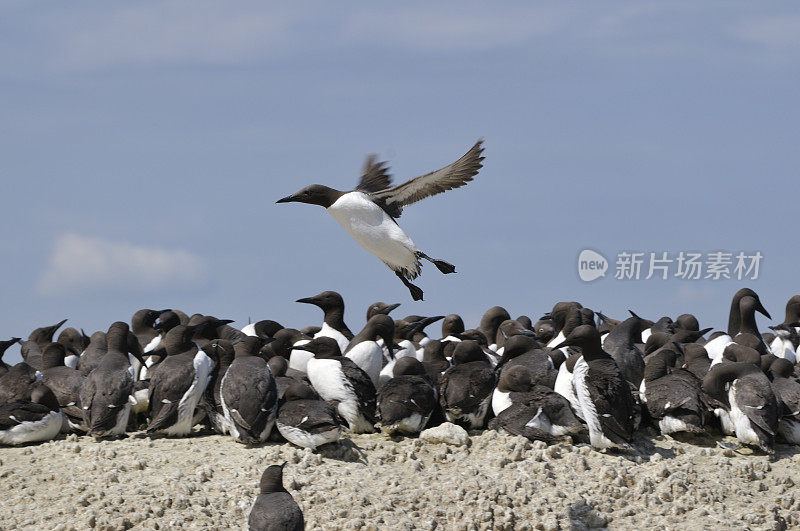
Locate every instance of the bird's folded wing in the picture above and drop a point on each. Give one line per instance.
(375, 176)
(452, 176)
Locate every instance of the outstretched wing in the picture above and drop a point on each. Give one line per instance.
(452, 176)
(375, 176)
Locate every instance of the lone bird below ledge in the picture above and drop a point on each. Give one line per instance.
(368, 213)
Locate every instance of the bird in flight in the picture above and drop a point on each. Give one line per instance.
(369, 212)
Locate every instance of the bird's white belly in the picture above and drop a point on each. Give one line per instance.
(375, 231)
(368, 355)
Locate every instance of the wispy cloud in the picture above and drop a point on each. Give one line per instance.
(780, 33)
(441, 28)
(181, 32)
(81, 263)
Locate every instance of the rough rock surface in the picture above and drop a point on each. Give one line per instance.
(447, 433)
(372, 482)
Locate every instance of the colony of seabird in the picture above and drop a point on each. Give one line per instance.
(574, 375)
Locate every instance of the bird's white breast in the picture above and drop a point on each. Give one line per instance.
(374, 230)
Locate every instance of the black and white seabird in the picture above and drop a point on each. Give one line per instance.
(753, 407)
(307, 421)
(333, 324)
(35, 417)
(222, 351)
(178, 383)
(340, 381)
(406, 402)
(107, 393)
(530, 410)
(66, 384)
(673, 396)
(603, 393)
(249, 394)
(274, 508)
(368, 213)
(4, 345)
(787, 389)
(465, 389)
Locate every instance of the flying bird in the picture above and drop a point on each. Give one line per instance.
(370, 211)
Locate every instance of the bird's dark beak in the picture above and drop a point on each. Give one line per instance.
(760, 308)
(526, 332)
(564, 343)
(387, 310)
(287, 199)
(301, 347)
(307, 300)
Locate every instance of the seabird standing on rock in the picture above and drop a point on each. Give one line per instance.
(368, 213)
(333, 325)
(222, 351)
(107, 393)
(305, 420)
(249, 394)
(406, 402)
(274, 508)
(787, 389)
(533, 411)
(747, 391)
(178, 383)
(66, 384)
(465, 389)
(340, 381)
(673, 396)
(603, 393)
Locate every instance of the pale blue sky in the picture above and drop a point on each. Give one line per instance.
(147, 133)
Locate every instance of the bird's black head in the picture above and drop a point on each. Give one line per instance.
(326, 300)
(585, 337)
(380, 308)
(272, 479)
(322, 347)
(316, 194)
